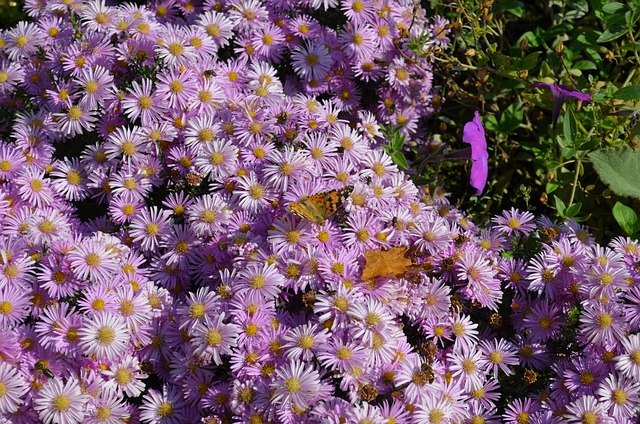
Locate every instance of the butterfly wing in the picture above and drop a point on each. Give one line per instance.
(319, 207)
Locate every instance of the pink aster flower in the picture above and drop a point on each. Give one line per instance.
(177, 88)
(69, 179)
(208, 215)
(467, 364)
(514, 222)
(498, 354)
(143, 102)
(75, 119)
(585, 408)
(35, 188)
(621, 396)
(12, 388)
(124, 376)
(296, 385)
(14, 305)
(174, 48)
(519, 410)
(23, 40)
(359, 40)
(628, 362)
(93, 261)
(544, 321)
(11, 74)
(304, 342)
(474, 135)
(218, 160)
(105, 335)
(602, 323)
(96, 85)
(432, 411)
(166, 407)
(60, 402)
(216, 25)
(213, 338)
(149, 227)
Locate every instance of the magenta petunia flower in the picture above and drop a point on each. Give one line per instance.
(561, 93)
(474, 134)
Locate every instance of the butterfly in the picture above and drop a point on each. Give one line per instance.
(321, 206)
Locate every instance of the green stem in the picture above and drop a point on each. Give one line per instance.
(575, 182)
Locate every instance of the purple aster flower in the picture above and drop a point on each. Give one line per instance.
(61, 402)
(12, 388)
(473, 134)
(620, 395)
(296, 384)
(561, 93)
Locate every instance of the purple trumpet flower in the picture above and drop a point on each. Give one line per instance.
(561, 93)
(473, 134)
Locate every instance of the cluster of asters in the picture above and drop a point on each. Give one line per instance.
(152, 270)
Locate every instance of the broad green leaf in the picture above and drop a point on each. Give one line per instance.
(612, 33)
(573, 210)
(626, 217)
(560, 206)
(614, 8)
(580, 5)
(631, 92)
(397, 142)
(569, 126)
(511, 118)
(400, 160)
(619, 168)
(551, 187)
(530, 61)
(545, 70)
(585, 65)
(588, 143)
(491, 123)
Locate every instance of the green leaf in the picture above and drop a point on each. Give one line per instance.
(631, 92)
(612, 33)
(626, 217)
(560, 206)
(585, 65)
(491, 123)
(573, 210)
(614, 8)
(619, 168)
(511, 118)
(551, 187)
(400, 160)
(580, 5)
(569, 126)
(545, 70)
(397, 142)
(530, 61)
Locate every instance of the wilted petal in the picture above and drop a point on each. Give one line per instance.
(561, 93)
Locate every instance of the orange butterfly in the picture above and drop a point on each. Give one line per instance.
(321, 206)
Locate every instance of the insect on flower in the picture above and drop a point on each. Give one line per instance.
(321, 206)
(43, 367)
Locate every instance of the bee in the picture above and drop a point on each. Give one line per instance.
(427, 372)
(281, 118)
(209, 73)
(43, 366)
